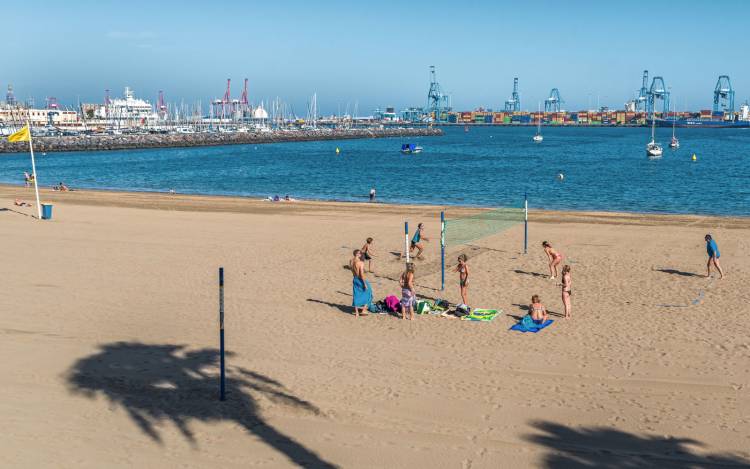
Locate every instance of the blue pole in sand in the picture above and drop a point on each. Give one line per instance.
(525, 223)
(222, 387)
(442, 251)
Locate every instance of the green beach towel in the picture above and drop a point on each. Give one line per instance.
(485, 315)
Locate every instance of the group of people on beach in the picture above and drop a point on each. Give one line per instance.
(362, 291)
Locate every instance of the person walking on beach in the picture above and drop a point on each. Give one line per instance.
(416, 241)
(713, 256)
(408, 295)
(463, 278)
(368, 254)
(372, 194)
(361, 289)
(554, 258)
(566, 292)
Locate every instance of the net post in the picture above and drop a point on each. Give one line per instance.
(406, 240)
(525, 223)
(222, 379)
(442, 251)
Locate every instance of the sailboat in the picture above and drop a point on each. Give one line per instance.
(674, 144)
(538, 137)
(653, 149)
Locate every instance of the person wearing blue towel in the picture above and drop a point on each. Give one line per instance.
(713, 256)
(416, 241)
(361, 289)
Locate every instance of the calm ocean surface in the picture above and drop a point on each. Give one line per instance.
(605, 169)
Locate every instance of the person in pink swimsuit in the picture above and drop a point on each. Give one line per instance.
(554, 257)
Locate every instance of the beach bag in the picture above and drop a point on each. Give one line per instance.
(423, 307)
(462, 310)
(392, 303)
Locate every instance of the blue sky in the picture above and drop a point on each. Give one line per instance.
(376, 53)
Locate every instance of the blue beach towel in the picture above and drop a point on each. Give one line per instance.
(526, 324)
(360, 296)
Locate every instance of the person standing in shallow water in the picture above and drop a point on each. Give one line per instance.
(372, 194)
(713, 256)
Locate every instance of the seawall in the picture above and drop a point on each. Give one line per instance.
(132, 141)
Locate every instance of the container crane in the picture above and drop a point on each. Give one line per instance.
(437, 101)
(658, 91)
(514, 103)
(552, 104)
(642, 100)
(724, 96)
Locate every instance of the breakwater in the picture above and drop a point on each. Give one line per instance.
(131, 141)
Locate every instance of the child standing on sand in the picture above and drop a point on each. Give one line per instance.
(408, 295)
(553, 257)
(537, 311)
(368, 254)
(566, 290)
(713, 256)
(463, 277)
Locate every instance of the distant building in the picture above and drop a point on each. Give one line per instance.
(38, 117)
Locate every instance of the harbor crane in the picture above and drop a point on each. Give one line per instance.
(437, 101)
(514, 103)
(724, 95)
(552, 104)
(658, 91)
(161, 106)
(642, 100)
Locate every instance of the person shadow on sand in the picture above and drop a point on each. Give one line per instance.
(153, 383)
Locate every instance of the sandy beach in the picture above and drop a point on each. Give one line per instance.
(109, 327)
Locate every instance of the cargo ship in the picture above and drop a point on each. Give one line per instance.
(697, 122)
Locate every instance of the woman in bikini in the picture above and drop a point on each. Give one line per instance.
(463, 277)
(537, 311)
(553, 257)
(408, 296)
(566, 290)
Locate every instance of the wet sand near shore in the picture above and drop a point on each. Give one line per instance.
(109, 324)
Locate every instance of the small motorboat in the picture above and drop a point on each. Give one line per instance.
(410, 148)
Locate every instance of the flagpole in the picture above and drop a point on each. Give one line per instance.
(33, 171)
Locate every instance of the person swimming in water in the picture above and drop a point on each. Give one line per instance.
(537, 311)
(554, 258)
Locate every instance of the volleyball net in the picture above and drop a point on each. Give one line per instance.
(465, 230)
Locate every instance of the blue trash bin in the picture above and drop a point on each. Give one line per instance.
(46, 212)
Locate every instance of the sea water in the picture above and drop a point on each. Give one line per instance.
(603, 169)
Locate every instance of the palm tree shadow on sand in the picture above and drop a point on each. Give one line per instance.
(609, 448)
(155, 383)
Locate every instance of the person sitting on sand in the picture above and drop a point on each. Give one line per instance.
(713, 256)
(537, 311)
(361, 289)
(416, 241)
(566, 290)
(276, 198)
(554, 258)
(21, 203)
(463, 277)
(408, 296)
(368, 254)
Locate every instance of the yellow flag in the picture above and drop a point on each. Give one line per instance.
(22, 135)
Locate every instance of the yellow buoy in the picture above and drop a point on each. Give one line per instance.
(337, 150)
(694, 157)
